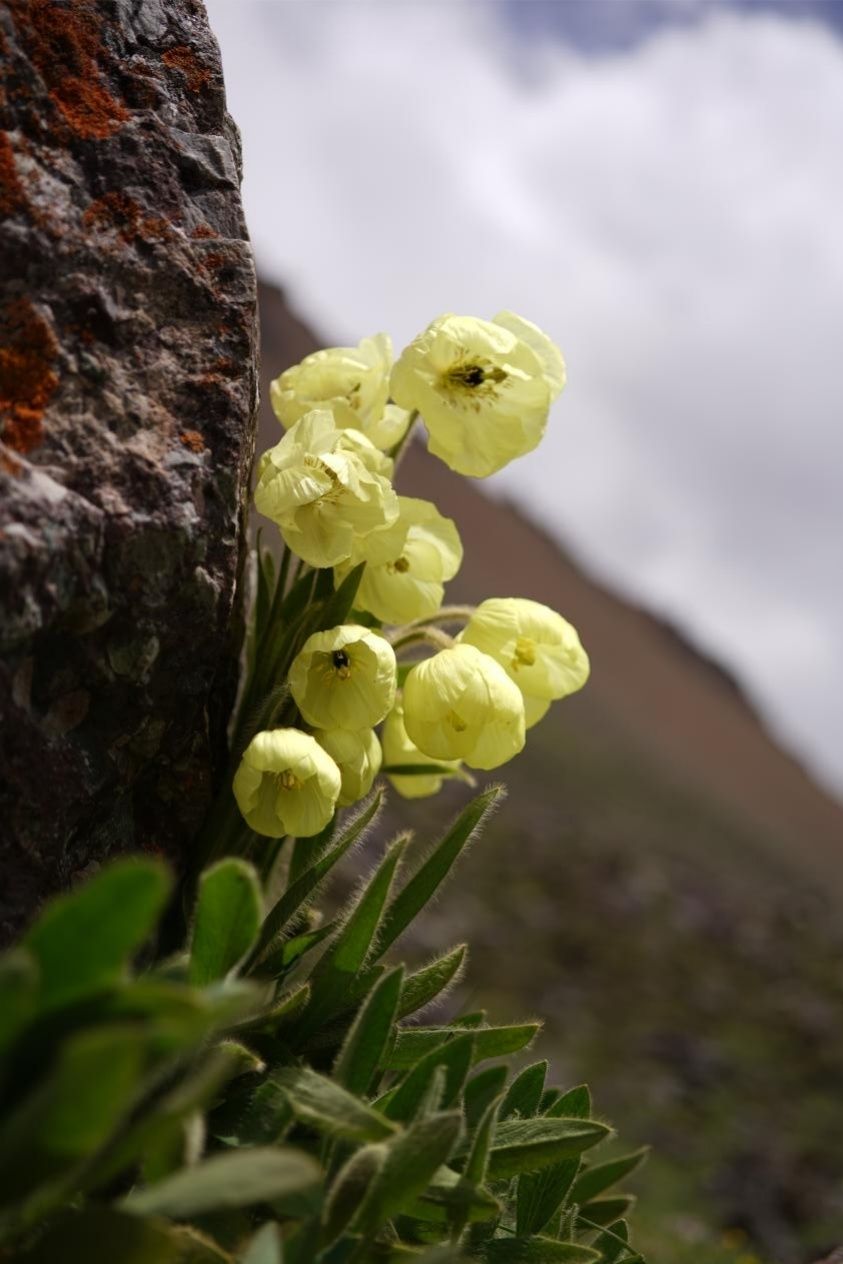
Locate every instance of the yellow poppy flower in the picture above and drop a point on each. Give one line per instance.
(398, 750)
(325, 487)
(483, 388)
(407, 563)
(536, 647)
(352, 382)
(358, 757)
(344, 678)
(286, 784)
(460, 704)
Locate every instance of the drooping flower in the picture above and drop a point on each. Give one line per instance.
(460, 704)
(358, 757)
(407, 563)
(324, 488)
(483, 388)
(352, 382)
(399, 751)
(286, 784)
(536, 647)
(344, 678)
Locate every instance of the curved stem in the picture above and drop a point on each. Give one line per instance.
(398, 449)
(421, 636)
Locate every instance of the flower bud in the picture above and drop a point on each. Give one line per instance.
(358, 757)
(407, 563)
(286, 784)
(484, 388)
(460, 704)
(536, 647)
(344, 678)
(398, 750)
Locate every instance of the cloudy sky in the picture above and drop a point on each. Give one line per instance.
(659, 185)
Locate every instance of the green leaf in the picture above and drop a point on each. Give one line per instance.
(329, 1108)
(83, 941)
(229, 909)
(239, 1179)
(18, 992)
(297, 896)
(595, 1179)
(575, 1104)
(613, 1243)
(350, 1188)
(429, 877)
(525, 1092)
(447, 1193)
(423, 986)
(411, 1161)
(477, 1162)
(333, 978)
(100, 1233)
(541, 1194)
(454, 1056)
(340, 603)
(279, 961)
(283, 1012)
(524, 1145)
(489, 1042)
(537, 1251)
(480, 1090)
(605, 1211)
(369, 1034)
(264, 1247)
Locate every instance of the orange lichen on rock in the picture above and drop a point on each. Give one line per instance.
(192, 439)
(117, 211)
(184, 59)
(28, 351)
(65, 47)
(12, 196)
(204, 230)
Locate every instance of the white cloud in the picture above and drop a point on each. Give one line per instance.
(671, 216)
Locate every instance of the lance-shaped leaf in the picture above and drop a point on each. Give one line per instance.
(525, 1092)
(613, 1243)
(489, 1042)
(289, 952)
(432, 980)
(339, 605)
(229, 909)
(350, 1189)
(477, 1163)
(525, 1145)
(429, 877)
(605, 1211)
(574, 1104)
(369, 1034)
(540, 1195)
(455, 1057)
(84, 940)
(301, 892)
(333, 977)
(412, 1159)
(329, 1108)
(449, 1193)
(480, 1090)
(593, 1180)
(239, 1179)
(537, 1251)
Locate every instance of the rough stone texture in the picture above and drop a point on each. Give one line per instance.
(127, 401)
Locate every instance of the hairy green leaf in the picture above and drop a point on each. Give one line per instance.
(537, 1251)
(489, 1042)
(326, 1106)
(480, 1090)
(412, 1159)
(605, 1211)
(593, 1180)
(369, 1034)
(524, 1145)
(424, 985)
(239, 1179)
(429, 877)
(525, 1092)
(229, 909)
(454, 1056)
(350, 1189)
(83, 941)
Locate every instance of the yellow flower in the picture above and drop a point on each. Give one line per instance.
(484, 388)
(324, 487)
(286, 784)
(358, 757)
(407, 563)
(536, 647)
(344, 678)
(460, 704)
(398, 750)
(352, 382)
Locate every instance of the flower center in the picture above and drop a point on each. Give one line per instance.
(341, 664)
(525, 653)
(474, 376)
(456, 722)
(401, 565)
(335, 491)
(287, 780)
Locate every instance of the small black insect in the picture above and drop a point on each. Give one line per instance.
(340, 659)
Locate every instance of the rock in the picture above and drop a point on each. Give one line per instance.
(127, 403)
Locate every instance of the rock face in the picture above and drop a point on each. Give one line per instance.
(127, 401)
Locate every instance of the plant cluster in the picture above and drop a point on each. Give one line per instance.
(270, 1090)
